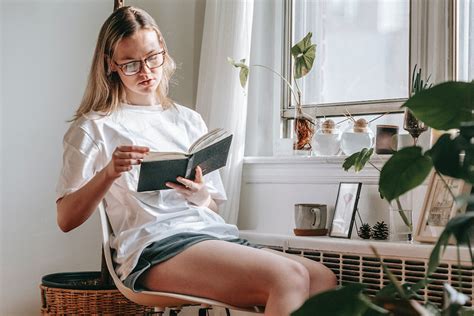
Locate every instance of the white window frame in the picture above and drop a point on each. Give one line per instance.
(422, 14)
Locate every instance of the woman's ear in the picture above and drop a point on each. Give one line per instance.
(111, 67)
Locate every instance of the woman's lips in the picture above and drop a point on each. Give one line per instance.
(147, 82)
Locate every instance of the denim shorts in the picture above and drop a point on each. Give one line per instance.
(167, 248)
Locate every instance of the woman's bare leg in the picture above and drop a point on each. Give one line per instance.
(321, 277)
(233, 274)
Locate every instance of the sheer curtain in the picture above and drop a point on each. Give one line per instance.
(220, 98)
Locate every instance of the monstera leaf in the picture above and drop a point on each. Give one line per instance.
(304, 54)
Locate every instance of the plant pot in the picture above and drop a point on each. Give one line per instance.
(83, 293)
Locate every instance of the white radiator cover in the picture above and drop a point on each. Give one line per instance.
(354, 262)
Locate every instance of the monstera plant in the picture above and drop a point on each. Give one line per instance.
(447, 107)
(303, 55)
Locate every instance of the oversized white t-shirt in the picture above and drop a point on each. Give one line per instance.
(140, 218)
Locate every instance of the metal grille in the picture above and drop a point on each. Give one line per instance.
(368, 270)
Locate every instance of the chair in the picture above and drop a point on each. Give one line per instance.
(158, 300)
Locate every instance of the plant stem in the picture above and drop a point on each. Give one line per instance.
(459, 266)
(296, 84)
(399, 205)
(283, 78)
(374, 166)
(402, 214)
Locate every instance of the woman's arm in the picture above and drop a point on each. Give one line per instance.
(75, 208)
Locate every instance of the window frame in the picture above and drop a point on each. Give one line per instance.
(419, 41)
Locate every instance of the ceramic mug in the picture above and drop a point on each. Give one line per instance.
(310, 216)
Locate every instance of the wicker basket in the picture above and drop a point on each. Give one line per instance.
(81, 293)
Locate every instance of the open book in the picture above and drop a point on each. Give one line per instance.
(209, 152)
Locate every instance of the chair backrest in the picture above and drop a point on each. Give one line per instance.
(150, 298)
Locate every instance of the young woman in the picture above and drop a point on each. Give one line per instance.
(168, 240)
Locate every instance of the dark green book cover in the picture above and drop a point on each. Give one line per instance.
(155, 173)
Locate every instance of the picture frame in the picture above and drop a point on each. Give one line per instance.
(439, 207)
(345, 209)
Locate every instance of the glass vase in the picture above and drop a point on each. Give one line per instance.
(327, 139)
(401, 218)
(356, 137)
(304, 130)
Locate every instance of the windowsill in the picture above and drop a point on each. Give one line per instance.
(296, 159)
(326, 243)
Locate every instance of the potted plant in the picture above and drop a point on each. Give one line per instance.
(446, 106)
(303, 54)
(415, 127)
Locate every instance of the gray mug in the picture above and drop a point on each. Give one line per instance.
(310, 216)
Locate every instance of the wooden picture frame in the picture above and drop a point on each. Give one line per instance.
(345, 210)
(439, 207)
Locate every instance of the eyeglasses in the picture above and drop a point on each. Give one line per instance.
(133, 67)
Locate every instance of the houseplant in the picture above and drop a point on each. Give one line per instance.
(446, 106)
(415, 127)
(303, 54)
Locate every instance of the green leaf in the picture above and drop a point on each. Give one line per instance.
(445, 105)
(244, 70)
(358, 159)
(460, 227)
(346, 300)
(304, 54)
(446, 154)
(405, 170)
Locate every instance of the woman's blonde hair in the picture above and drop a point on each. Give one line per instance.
(104, 90)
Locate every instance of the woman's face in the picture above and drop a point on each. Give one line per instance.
(142, 45)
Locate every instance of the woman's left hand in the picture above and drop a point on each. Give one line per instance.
(193, 191)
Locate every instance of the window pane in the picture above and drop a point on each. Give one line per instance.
(465, 47)
(362, 49)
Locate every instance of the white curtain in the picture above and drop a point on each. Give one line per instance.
(220, 99)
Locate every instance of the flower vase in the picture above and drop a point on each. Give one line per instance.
(304, 131)
(401, 218)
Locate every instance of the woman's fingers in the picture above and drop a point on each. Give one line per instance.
(187, 184)
(180, 188)
(198, 177)
(129, 154)
(133, 148)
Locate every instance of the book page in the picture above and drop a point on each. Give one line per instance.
(154, 156)
(208, 139)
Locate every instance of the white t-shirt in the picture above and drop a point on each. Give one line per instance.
(140, 218)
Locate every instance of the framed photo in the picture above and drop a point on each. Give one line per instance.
(439, 207)
(346, 206)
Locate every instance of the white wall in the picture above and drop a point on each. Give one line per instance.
(272, 186)
(47, 48)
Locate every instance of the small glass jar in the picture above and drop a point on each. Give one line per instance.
(327, 139)
(356, 137)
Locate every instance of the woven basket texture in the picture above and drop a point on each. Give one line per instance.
(57, 301)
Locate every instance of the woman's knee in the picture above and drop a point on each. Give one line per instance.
(293, 276)
(322, 279)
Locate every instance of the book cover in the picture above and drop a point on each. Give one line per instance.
(210, 152)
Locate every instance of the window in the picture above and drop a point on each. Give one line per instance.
(366, 51)
(465, 40)
(362, 49)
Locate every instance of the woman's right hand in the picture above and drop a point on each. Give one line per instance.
(123, 158)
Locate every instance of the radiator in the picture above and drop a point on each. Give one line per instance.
(354, 262)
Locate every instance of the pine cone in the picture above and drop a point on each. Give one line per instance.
(365, 232)
(380, 231)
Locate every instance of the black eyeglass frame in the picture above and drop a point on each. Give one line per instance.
(141, 61)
